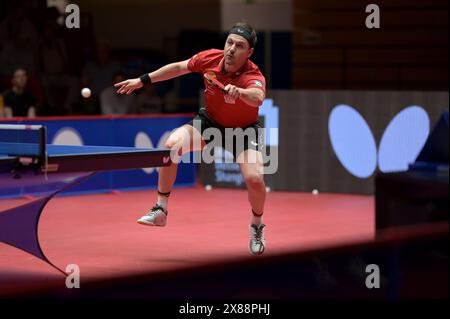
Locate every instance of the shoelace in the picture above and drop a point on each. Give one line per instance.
(258, 234)
(155, 210)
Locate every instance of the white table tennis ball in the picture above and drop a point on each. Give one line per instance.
(268, 189)
(315, 192)
(208, 187)
(86, 92)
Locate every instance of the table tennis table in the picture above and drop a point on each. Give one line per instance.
(70, 159)
(63, 161)
(25, 164)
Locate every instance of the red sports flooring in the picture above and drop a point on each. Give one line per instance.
(99, 233)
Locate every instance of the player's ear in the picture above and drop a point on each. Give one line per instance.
(250, 52)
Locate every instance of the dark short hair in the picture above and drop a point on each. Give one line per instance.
(250, 33)
(17, 69)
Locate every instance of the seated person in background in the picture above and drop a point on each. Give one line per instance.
(148, 101)
(17, 100)
(113, 103)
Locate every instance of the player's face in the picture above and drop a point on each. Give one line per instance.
(236, 52)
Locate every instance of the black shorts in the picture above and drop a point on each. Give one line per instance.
(252, 137)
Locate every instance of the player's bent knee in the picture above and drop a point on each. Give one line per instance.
(169, 144)
(174, 146)
(178, 149)
(173, 143)
(254, 180)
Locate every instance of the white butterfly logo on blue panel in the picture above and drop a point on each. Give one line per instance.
(355, 146)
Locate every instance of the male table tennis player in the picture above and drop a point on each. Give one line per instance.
(235, 105)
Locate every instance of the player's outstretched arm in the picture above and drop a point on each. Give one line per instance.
(164, 73)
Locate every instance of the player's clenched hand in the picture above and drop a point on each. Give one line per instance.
(232, 91)
(128, 86)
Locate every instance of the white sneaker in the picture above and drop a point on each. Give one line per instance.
(257, 240)
(157, 216)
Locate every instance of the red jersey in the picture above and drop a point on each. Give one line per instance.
(237, 113)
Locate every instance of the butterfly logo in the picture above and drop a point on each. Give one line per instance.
(258, 83)
(353, 142)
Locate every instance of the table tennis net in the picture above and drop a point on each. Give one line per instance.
(22, 140)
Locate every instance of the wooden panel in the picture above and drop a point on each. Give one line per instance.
(375, 38)
(333, 48)
(317, 86)
(318, 74)
(372, 75)
(424, 86)
(371, 78)
(388, 19)
(372, 86)
(394, 56)
(309, 56)
(319, 20)
(334, 5)
(424, 75)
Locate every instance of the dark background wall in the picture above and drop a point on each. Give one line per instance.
(333, 49)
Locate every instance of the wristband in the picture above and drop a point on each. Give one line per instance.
(145, 78)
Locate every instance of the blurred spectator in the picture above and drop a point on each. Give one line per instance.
(2, 106)
(61, 88)
(18, 41)
(113, 103)
(18, 101)
(18, 46)
(97, 76)
(148, 101)
(98, 73)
